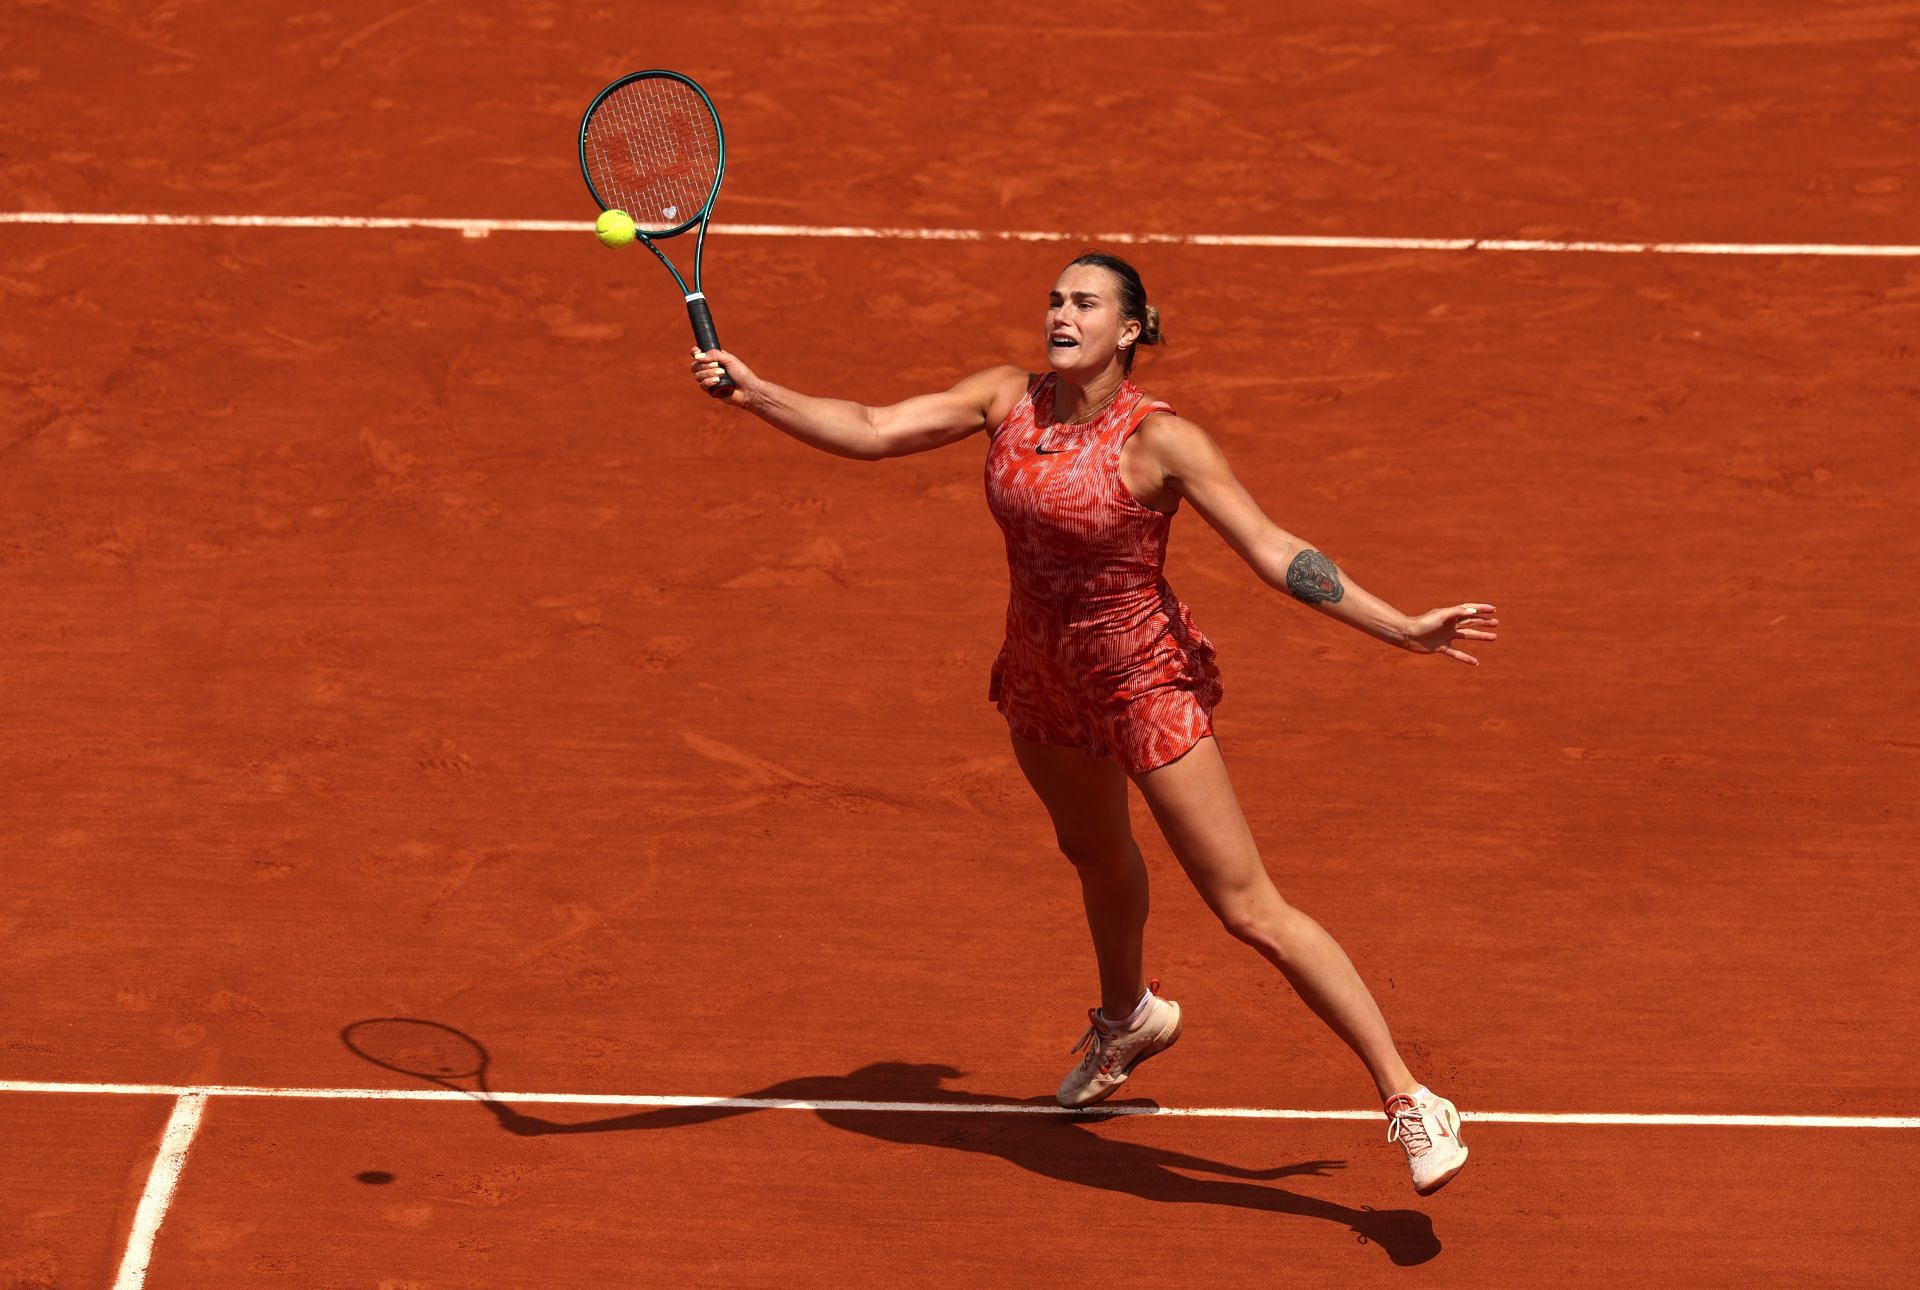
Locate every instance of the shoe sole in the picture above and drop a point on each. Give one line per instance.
(1126, 1072)
(1446, 1177)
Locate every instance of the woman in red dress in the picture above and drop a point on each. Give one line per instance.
(1104, 679)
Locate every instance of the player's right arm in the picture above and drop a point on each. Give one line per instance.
(854, 430)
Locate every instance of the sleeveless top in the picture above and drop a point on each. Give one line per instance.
(1089, 615)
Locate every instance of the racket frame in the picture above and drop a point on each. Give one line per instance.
(698, 312)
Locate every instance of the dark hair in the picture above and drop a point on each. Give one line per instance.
(1133, 299)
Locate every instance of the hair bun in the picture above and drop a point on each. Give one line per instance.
(1150, 328)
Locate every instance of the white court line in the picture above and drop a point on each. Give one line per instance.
(181, 1126)
(949, 1108)
(485, 227)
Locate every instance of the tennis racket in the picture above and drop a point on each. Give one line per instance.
(650, 145)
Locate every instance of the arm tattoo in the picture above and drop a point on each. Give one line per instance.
(1313, 579)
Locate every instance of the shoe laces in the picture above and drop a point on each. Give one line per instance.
(1408, 1127)
(1102, 1052)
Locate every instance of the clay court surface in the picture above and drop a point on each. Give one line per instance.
(390, 629)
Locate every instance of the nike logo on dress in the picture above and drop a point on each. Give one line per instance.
(1047, 451)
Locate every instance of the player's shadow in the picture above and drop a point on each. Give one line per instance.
(1061, 1147)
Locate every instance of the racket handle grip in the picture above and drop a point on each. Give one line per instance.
(707, 338)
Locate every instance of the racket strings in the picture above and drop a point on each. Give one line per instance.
(653, 150)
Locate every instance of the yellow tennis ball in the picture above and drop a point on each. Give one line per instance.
(614, 228)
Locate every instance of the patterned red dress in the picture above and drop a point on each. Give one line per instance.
(1100, 654)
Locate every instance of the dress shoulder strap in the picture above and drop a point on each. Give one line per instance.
(1036, 382)
(1144, 406)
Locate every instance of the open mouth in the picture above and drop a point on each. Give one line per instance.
(1064, 342)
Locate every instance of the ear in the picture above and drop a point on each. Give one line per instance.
(1129, 332)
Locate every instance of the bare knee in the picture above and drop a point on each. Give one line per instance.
(1097, 857)
(1261, 920)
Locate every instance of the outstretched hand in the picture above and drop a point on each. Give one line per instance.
(1435, 631)
(707, 369)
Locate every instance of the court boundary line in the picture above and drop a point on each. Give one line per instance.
(485, 227)
(203, 1092)
(162, 1181)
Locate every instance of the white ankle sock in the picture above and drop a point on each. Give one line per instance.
(1133, 1018)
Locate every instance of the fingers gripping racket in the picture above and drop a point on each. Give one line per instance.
(650, 145)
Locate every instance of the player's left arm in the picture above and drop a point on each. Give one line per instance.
(1191, 465)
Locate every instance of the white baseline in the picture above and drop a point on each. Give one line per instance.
(478, 228)
(186, 1091)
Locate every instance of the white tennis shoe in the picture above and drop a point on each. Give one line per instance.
(1112, 1054)
(1428, 1129)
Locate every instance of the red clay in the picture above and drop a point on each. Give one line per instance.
(391, 629)
(778, 1197)
(74, 1173)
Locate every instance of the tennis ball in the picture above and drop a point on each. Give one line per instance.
(614, 228)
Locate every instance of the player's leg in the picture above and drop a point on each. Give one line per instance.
(1087, 800)
(1194, 803)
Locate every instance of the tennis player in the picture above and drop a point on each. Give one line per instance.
(1104, 678)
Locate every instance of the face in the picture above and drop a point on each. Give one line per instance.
(1085, 328)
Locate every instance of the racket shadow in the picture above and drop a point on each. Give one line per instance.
(1065, 1149)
